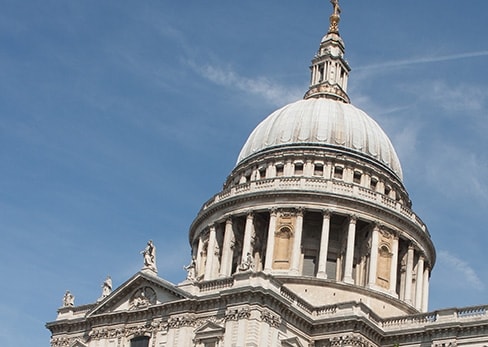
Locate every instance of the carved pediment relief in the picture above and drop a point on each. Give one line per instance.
(143, 297)
(139, 292)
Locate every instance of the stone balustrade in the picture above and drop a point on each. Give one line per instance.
(317, 185)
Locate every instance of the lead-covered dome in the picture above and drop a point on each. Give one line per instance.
(323, 122)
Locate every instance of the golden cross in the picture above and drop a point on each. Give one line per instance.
(337, 9)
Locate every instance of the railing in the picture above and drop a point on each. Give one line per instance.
(216, 284)
(319, 185)
(409, 320)
(453, 315)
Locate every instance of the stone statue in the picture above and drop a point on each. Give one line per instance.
(68, 299)
(149, 254)
(191, 270)
(107, 287)
(247, 264)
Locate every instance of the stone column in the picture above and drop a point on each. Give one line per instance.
(419, 283)
(425, 290)
(226, 262)
(394, 265)
(248, 234)
(349, 261)
(297, 244)
(212, 239)
(373, 260)
(198, 270)
(324, 245)
(268, 264)
(409, 275)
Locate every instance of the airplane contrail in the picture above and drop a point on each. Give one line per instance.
(424, 60)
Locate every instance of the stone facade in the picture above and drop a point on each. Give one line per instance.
(311, 242)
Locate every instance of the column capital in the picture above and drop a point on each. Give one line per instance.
(300, 211)
(273, 211)
(326, 213)
(353, 218)
(395, 233)
(249, 214)
(377, 225)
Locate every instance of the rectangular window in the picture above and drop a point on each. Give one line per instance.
(357, 177)
(279, 170)
(318, 169)
(298, 168)
(309, 265)
(338, 171)
(140, 341)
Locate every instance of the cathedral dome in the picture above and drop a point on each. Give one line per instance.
(327, 123)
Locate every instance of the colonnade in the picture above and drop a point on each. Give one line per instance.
(323, 244)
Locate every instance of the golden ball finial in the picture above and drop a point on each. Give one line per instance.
(335, 17)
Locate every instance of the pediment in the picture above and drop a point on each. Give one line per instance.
(139, 292)
(209, 330)
(291, 342)
(78, 343)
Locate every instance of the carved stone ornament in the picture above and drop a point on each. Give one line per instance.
(348, 340)
(65, 342)
(185, 320)
(237, 314)
(137, 330)
(272, 319)
(143, 297)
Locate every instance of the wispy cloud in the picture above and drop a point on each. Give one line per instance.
(461, 269)
(423, 60)
(466, 179)
(270, 91)
(454, 99)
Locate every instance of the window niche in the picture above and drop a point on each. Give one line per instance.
(282, 248)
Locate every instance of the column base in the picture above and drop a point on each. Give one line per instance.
(322, 275)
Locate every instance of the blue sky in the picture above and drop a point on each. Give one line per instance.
(119, 119)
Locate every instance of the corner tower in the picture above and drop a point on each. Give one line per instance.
(316, 201)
